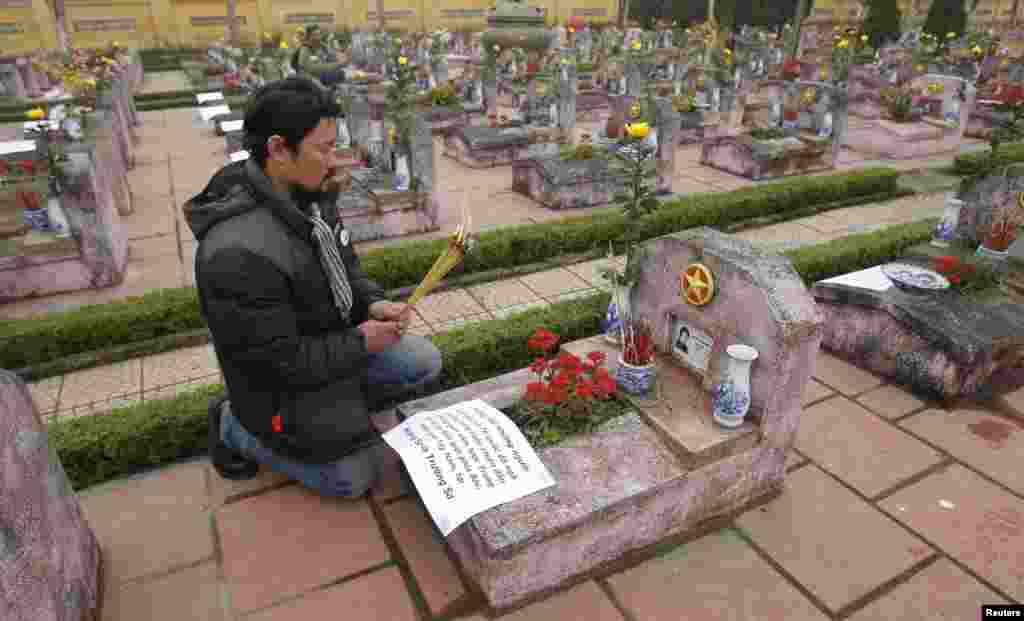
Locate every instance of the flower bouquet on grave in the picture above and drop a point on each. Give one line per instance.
(569, 395)
(459, 244)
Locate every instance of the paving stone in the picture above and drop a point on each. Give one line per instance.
(45, 393)
(290, 540)
(550, 283)
(717, 577)
(890, 401)
(575, 295)
(224, 491)
(379, 595)
(151, 524)
(941, 591)
(425, 552)
(815, 391)
(585, 601)
(193, 593)
(794, 458)
(782, 233)
(446, 306)
(1015, 401)
(803, 531)
(969, 519)
(863, 450)
(97, 408)
(503, 294)
(843, 376)
(983, 440)
(101, 383)
(590, 271)
(179, 365)
(176, 390)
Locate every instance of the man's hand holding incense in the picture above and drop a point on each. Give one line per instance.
(380, 335)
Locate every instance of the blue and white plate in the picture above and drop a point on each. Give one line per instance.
(915, 277)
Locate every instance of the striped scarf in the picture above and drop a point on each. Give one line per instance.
(330, 259)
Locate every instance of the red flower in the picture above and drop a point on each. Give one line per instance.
(597, 357)
(585, 389)
(570, 364)
(564, 378)
(605, 384)
(277, 424)
(954, 278)
(542, 340)
(536, 391)
(539, 365)
(947, 264)
(557, 395)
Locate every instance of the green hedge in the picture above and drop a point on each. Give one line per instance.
(979, 162)
(94, 449)
(170, 311)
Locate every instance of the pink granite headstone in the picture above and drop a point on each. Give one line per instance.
(49, 557)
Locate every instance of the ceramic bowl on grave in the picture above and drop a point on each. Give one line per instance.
(915, 278)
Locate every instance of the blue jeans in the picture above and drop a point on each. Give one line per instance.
(402, 370)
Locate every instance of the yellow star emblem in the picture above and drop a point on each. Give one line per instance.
(698, 284)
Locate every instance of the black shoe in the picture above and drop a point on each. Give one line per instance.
(228, 463)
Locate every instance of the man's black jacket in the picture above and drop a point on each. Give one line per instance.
(282, 346)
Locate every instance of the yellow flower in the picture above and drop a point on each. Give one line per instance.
(864, 38)
(638, 130)
(35, 114)
(284, 45)
(402, 60)
(636, 45)
(919, 68)
(950, 35)
(634, 110)
(843, 44)
(976, 49)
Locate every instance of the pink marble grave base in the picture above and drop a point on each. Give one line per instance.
(457, 149)
(50, 559)
(585, 192)
(725, 153)
(913, 140)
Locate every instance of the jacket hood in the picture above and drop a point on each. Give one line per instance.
(228, 194)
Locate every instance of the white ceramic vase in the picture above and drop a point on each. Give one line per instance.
(732, 395)
(401, 173)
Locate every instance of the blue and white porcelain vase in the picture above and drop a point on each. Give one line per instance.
(401, 173)
(635, 380)
(618, 311)
(732, 395)
(945, 230)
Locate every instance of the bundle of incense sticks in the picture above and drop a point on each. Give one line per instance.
(458, 244)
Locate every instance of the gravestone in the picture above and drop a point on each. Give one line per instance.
(667, 124)
(667, 470)
(359, 119)
(567, 85)
(994, 189)
(49, 557)
(421, 166)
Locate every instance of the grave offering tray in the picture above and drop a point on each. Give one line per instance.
(939, 343)
(665, 471)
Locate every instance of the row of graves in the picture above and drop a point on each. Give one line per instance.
(63, 178)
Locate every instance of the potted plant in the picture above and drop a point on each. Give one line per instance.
(632, 161)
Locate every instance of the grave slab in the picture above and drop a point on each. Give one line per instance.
(664, 470)
(941, 344)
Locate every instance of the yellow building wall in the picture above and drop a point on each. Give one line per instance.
(97, 23)
(21, 29)
(204, 21)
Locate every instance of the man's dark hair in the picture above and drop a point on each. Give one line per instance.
(290, 108)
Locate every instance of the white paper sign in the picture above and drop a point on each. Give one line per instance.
(465, 459)
(34, 125)
(209, 112)
(232, 126)
(202, 98)
(872, 278)
(17, 146)
(238, 156)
